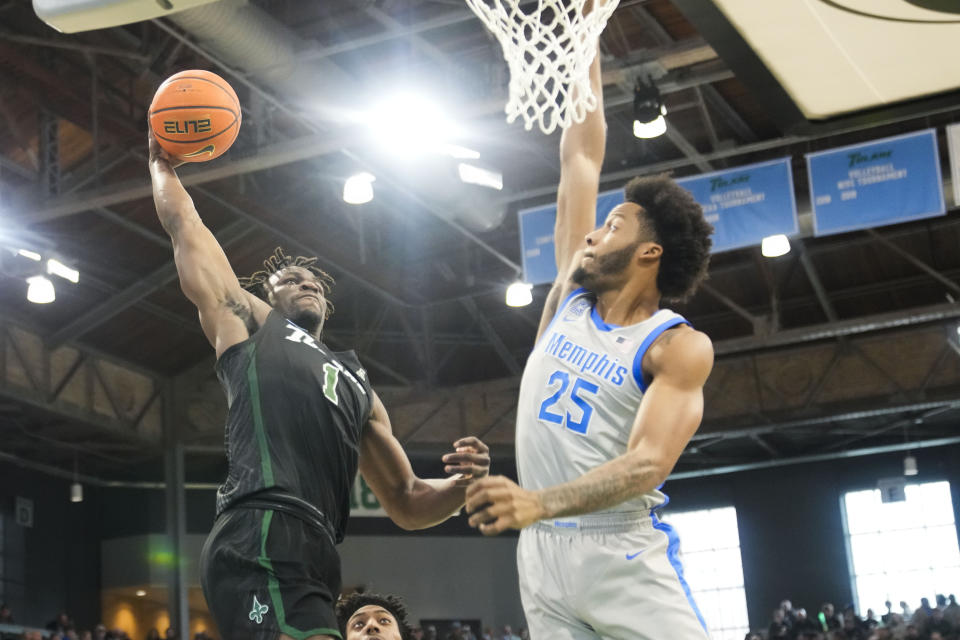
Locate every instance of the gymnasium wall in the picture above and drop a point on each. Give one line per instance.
(791, 537)
(55, 564)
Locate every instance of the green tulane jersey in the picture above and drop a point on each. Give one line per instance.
(296, 412)
(580, 393)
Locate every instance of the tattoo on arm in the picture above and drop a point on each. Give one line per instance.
(242, 311)
(606, 486)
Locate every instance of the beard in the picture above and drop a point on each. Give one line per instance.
(307, 318)
(606, 270)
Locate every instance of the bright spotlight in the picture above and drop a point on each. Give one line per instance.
(472, 174)
(519, 294)
(32, 255)
(57, 268)
(775, 246)
(358, 189)
(411, 124)
(40, 290)
(76, 492)
(141, 593)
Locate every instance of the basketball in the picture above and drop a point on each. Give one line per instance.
(195, 115)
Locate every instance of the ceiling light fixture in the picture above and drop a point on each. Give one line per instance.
(648, 111)
(57, 268)
(775, 246)
(519, 294)
(358, 189)
(40, 290)
(32, 255)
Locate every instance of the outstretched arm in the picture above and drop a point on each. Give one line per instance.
(411, 502)
(228, 314)
(582, 148)
(668, 416)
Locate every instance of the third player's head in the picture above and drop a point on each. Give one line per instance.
(658, 233)
(368, 616)
(295, 287)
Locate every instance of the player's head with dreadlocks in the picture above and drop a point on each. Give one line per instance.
(295, 287)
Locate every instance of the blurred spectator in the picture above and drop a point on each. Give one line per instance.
(778, 627)
(430, 633)
(99, 632)
(487, 633)
(921, 617)
(524, 634)
(830, 619)
(885, 618)
(789, 613)
(938, 624)
(852, 629)
(803, 624)
(753, 636)
(871, 622)
(905, 610)
(61, 624)
(153, 634)
(912, 632)
(6, 616)
(171, 634)
(941, 601)
(86, 635)
(416, 633)
(508, 633)
(951, 613)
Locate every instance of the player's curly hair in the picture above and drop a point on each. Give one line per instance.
(680, 228)
(256, 283)
(349, 605)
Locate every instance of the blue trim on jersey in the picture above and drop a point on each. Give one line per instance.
(638, 359)
(673, 549)
(560, 308)
(598, 321)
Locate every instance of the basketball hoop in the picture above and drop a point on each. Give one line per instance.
(548, 51)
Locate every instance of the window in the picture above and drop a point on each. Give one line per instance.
(901, 550)
(710, 552)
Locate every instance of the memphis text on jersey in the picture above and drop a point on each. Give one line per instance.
(599, 364)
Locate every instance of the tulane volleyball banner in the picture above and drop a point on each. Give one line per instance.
(746, 204)
(882, 182)
(536, 236)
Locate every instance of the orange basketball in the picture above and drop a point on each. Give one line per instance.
(195, 115)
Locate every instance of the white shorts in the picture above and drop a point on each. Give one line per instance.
(615, 576)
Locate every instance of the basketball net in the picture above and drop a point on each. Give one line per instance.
(548, 51)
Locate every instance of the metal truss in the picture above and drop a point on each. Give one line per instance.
(80, 385)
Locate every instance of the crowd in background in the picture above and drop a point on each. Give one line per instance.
(926, 622)
(63, 628)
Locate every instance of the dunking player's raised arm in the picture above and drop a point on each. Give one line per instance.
(412, 502)
(582, 148)
(228, 314)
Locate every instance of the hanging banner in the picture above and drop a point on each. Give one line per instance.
(874, 184)
(746, 204)
(536, 236)
(953, 142)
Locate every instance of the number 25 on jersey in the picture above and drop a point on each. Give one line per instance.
(579, 394)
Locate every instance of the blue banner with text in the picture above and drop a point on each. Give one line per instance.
(882, 182)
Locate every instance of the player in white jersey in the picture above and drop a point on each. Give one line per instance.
(610, 396)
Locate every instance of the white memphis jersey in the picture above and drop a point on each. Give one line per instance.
(580, 393)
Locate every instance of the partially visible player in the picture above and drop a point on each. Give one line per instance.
(364, 616)
(301, 419)
(610, 396)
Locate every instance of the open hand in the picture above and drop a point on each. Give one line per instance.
(498, 503)
(471, 460)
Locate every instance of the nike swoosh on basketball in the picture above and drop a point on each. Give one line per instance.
(631, 556)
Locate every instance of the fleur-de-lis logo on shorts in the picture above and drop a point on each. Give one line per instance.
(258, 611)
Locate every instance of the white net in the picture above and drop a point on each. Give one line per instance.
(548, 50)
